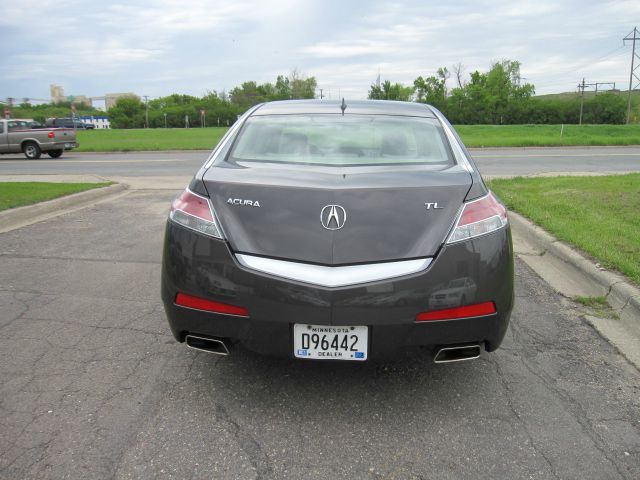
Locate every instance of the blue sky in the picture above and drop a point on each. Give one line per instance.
(160, 47)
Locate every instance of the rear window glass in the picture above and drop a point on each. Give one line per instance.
(338, 140)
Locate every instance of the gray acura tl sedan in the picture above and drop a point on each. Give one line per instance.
(328, 230)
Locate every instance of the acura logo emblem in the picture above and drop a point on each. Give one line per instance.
(333, 217)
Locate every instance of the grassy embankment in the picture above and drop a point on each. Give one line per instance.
(151, 139)
(599, 215)
(548, 135)
(473, 136)
(18, 194)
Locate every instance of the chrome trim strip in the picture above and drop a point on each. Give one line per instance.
(227, 136)
(457, 150)
(333, 276)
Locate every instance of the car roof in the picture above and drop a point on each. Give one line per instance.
(354, 107)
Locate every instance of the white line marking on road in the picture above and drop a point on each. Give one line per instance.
(594, 155)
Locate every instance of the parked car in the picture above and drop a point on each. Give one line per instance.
(20, 135)
(336, 226)
(69, 123)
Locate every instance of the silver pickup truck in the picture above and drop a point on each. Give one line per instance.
(18, 135)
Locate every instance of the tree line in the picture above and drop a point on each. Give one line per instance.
(213, 109)
(499, 96)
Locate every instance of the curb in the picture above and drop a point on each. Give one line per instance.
(22, 216)
(621, 295)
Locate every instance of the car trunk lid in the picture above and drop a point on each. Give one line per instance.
(392, 213)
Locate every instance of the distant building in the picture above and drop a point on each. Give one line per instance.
(80, 99)
(110, 99)
(57, 96)
(97, 121)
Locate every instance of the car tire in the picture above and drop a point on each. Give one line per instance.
(31, 150)
(55, 153)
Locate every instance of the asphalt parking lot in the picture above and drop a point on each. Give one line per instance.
(94, 386)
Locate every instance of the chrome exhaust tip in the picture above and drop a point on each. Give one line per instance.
(205, 344)
(457, 354)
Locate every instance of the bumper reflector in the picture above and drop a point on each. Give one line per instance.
(477, 310)
(189, 301)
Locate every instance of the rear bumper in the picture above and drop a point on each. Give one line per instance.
(69, 145)
(205, 267)
(52, 146)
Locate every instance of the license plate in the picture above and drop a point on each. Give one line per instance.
(68, 145)
(330, 342)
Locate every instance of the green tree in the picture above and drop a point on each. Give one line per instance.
(128, 112)
(605, 108)
(302, 87)
(431, 90)
(389, 91)
(497, 96)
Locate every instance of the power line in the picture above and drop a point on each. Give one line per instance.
(559, 73)
(632, 74)
(613, 85)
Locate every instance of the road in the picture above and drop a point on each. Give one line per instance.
(492, 162)
(92, 385)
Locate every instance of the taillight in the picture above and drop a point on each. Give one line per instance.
(194, 211)
(189, 301)
(51, 135)
(476, 310)
(479, 217)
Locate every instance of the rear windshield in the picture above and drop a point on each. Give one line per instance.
(338, 140)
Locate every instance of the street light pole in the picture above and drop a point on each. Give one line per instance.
(146, 111)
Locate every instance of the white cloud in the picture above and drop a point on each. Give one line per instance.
(191, 46)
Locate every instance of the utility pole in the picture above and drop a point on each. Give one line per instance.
(632, 37)
(146, 111)
(613, 85)
(581, 87)
(321, 95)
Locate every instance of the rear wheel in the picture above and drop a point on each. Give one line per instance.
(55, 153)
(31, 150)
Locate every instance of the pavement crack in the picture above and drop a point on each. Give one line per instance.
(78, 259)
(568, 403)
(258, 458)
(509, 397)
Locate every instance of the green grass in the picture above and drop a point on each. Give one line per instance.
(593, 302)
(597, 305)
(569, 96)
(149, 139)
(599, 215)
(473, 136)
(548, 135)
(17, 194)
